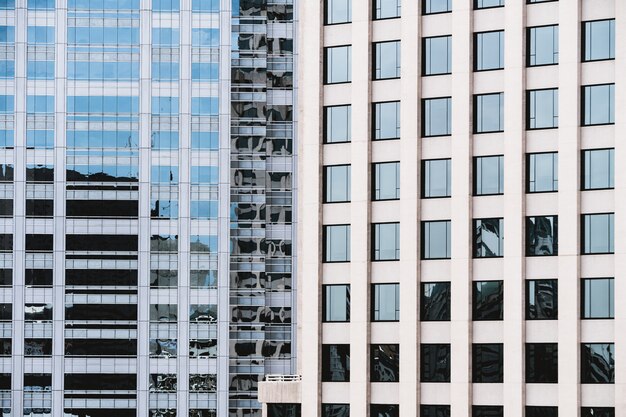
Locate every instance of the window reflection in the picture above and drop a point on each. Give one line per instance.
(597, 363)
(488, 238)
(542, 235)
(542, 301)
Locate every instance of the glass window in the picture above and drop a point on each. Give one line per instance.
(337, 183)
(338, 11)
(487, 362)
(542, 363)
(436, 6)
(489, 175)
(597, 412)
(386, 181)
(597, 363)
(385, 363)
(338, 64)
(598, 40)
(165, 105)
(335, 363)
(386, 302)
(598, 298)
(386, 241)
(435, 301)
(486, 4)
(487, 411)
(39, 34)
(6, 104)
(598, 233)
(543, 45)
(489, 113)
(337, 125)
(386, 60)
(489, 50)
(542, 411)
(336, 303)
(166, 36)
(437, 57)
(488, 238)
(488, 300)
(543, 109)
(435, 363)
(7, 4)
(337, 243)
(386, 120)
(436, 239)
(543, 172)
(335, 410)
(437, 117)
(598, 104)
(40, 104)
(436, 178)
(386, 9)
(598, 169)
(542, 236)
(542, 299)
(435, 410)
(205, 37)
(384, 410)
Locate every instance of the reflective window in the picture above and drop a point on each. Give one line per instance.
(205, 37)
(386, 120)
(598, 233)
(338, 67)
(335, 363)
(597, 412)
(337, 243)
(7, 4)
(488, 300)
(435, 301)
(41, 4)
(436, 178)
(435, 410)
(337, 125)
(489, 113)
(386, 241)
(542, 236)
(436, 6)
(336, 303)
(40, 104)
(543, 109)
(598, 104)
(37, 34)
(166, 36)
(338, 11)
(543, 45)
(542, 411)
(437, 58)
(598, 169)
(598, 40)
(165, 105)
(542, 299)
(386, 60)
(273, 409)
(201, 5)
(384, 410)
(436, 239)
(386, 302)
(485, 4)
(166, 5)
(489, 175)
(542, 172)
(385, 363)
(597, 363)
(6, 104)
(386, 181)
(386, 9)
(435, 363)
(335, 410)
(487, 411)
(337, 183)
(489, 50)
(487, 362)
(542, 363)
(437, 116)
(598, 298)
(488, 238)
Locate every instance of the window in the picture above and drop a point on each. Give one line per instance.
(598, 104)
(335, 410)
(436, 117)
(487, 363)
(437, 58)
(435, 301)
(489, 50)
(489, 175)
(337, 184)
(542, 299)
(337, 124)
(542, 363)
(386, 181)
(384, 410)
(487, 411)
(336, 363)
(338, 64)
(276, 409)
(542, 236)
(597, 412)
(435, 363)
(434, 410)
(436, 239)
(542, 411)
(598, 233)
(598, 169)
(597, 363)
(489, 113)
(488, 238)
(337, 243)
(598, 40)
(336, 303)
(436, 178)
(386, 9)
(542, 172)
(386, 118)
(543, 109)
(385, 363)
(386, 241)
(598, 298)
(386, 302)
(386, 60)
(338, 11)
(488, 300)
(436, 6)
(543, 45)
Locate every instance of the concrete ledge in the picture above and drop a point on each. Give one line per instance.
(280, 392)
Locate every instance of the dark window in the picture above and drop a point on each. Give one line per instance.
(542, 299)
(598, 298)
(163, 278)
(101, 242)
(282, 410)
(38, 312)
(386, 9)
(386, 181)
(38, 347)
(437, 117)
(386, 241)
(338, 67)
(597, 412)
(386, 302)
(105, 382)
(6, 172)
(542, 236)
(100, 277)
(489, 175)
(543, 45)
(6, 242)
(542, 172)
(436, 178)
(6, 312)
(100, 347)
(337, 184)
(597, 363)
(102, 208)
(489, 113)
(39, 243)
(39, 173)
(489, 50)
(337, 243)
(541, 411)
(435, 363)
(435, 302)
(488, 238)
(598, 169)
(6, 277)
(385, 363)
(542, 366)
(487, 363)
(337, 124)
(338, 11)
(598, 104)
(386, 120)
(436, 243)
(6, 208)
(488, 300)
(336, 363)
(38, 382)
(386, 60)
(598, 40)
(436, 6)
(5, 346)
(384, 410)
(434, 410)
(543, 109)
(487, 411)
(437, 58)
(598, 233)
(335, 410)
(39, 208)
(112, 312)
(336, 303)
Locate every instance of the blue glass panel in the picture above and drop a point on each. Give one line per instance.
(166, 36)
(7, 69)
(102, 139)
(201, 71)
(165, 71)
(165, 5)
(164, 105)
(204, 140)
(40, 34)
(205, 37)
(40, 138)
(203, 210)
(40, 104)
(7, 4)
(6, 104)
(164, 174)
(41, 4)
(40, 70)
(103, 4)
(102, 104)
(205, 5)
(103, 35)
(6, 138)
(7, 34)
(204, 175)
(164, 140)
(204, 106)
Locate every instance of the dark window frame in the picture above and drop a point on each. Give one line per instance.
(326, 69)
(325, 184)
(528, 108)
(475, 248)
(583, 102)
(374, 238)
(583, 167)
(583, 234)
(324, 245)
(375, 60)
(424, 117)
(583, 34)
(476, 7)
(375, 116)
(325, 303)
(528, 40)
(375, 177)
(423, 178)
(325, 127)
(583, 298)
(475, 46)
(528, 315)
(422, 239)
(555, 235)
(475, 113)
(475, 177)
(434, 13)
(448, 306)
(528, 173)
(326, 10)
(373, 306)
(376, 19)
(424, 41)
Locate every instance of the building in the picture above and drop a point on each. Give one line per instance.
(461, 245)
(146, 166)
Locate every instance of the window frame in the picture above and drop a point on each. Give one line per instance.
(529, 172)
(325, 303)
(475, 175)
(325, 177)
(375, 116)
(424, 59)
(327, 69)
(527, 298)
(448, 101)
(583, 36)
(375, 238)
(374, 11)
(584, 166)
(529, 373)
(555, 109)
(583, 298)
(437, 348)
(584, 367)
(326, 119)
(475, 247)
(583, 234)
(555, 236)
(424, 13)
(583, 102)
(325, 246)
(448, 179)
(423, 235)
(375, 60)
(476, 375)
(476, 7)
(475, 99)
(327, 9)
(374, 347)
(475, 47)
(480, 316)
(375, 179)
(529, 41)
(423, 285)
(374, 307)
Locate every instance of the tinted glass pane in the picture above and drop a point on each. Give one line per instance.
(336, 303)
(437, 117)
(542, 363)
(487, 411)
(598, 233)
(597, 363)
(337, 248)
(437, 57)
(338, 11)
(335, 410)
(598, 298)
(386, 241)
(435, 411)
(543, 109)
(435, 302)
(598, 169)
(535, 411)
(338, 120)
(336, 363)
(387, 120)
(542, 236)
(488, 300)
(487, 363)
(542, 300)
(436, 6)
(488, 238)
(386, 181)
(386, 9)
(436, 178)
(435, 363)
(337, 182)
(489, 50)
(387, 60)
(436, 240)
(385, 365)
(599, 104)
(489, 113)
(597, 412)
(489, 175)
(543, 45)
(338, 64)
(275, 410)
(543, 172)
(386, 302)
(599, 40)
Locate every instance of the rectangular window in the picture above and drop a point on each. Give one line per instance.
(487, 411)
(338, 11)
(435, 301)
(165, 36)
(385, 363)
(386, 241)
(542, 411)
(7, 34)
(437, 58)
(488, 300)
(543, 45)
(386, 60)
(338, 68)
(542, 299)
(598, 234)
(383, 410)
(598, 40)
(386, 120)
(386, 302)
(436, 6)
(386, 9)
(598, 298)
(337, 184)
(164, 105)
(598, 169)
(487, 4)
(337, 243)
(436, 178)
(488, 363)
(386, 181)
(597, 363)
(437, 117)
(598, 104)
(489, 50)
(40, 34)
(542, 363)
(434, 410)
(542, 236)
(489, 175)
(39, 104)
(336, 303)
(542, 172)
(336, 363)
(337, 125)
(597, 412)
(436, 239)
(335, 410)
(489, 113)
(542, 109)
(488, 238)
(435, 363)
